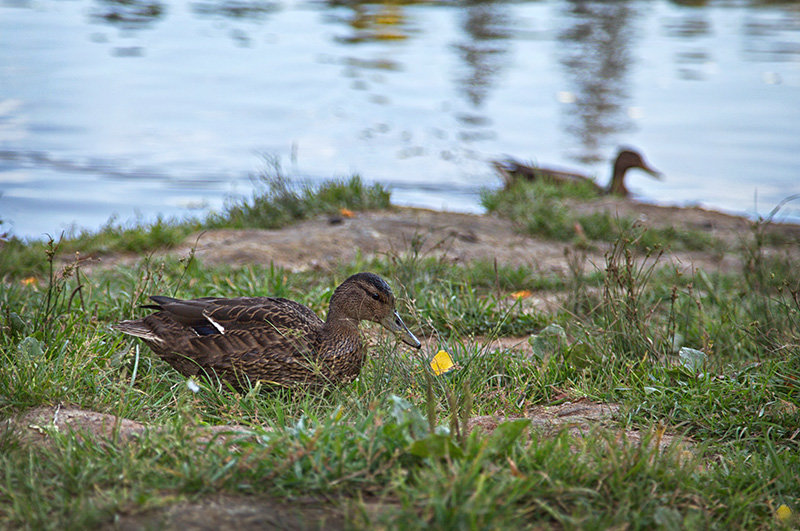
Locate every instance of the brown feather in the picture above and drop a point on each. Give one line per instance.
(512, 170)
(274, 340)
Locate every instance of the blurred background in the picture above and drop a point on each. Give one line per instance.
(134, 108)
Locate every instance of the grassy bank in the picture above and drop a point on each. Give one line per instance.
(274, 203)
(543, 209)
(713, 358)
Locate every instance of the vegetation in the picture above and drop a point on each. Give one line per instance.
(542, 209)
(275, 203)
(714, 358)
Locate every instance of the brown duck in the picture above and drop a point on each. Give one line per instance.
(512, 170)
(273, 340)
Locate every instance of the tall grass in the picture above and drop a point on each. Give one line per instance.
(276, 201)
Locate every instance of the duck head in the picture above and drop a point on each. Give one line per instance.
(626, 160)
(367, 297)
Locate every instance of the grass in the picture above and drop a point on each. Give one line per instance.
(274, 203)
(539, 208)
(713, 357)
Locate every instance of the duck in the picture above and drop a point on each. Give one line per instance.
(512, 170)
(272, 340)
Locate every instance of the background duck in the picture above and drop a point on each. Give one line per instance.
(511, 170)
(275, 340)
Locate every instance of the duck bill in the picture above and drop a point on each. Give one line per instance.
(655, 174)
(393, 323)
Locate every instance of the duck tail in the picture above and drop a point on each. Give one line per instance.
(160, 302)
(505, 169)
(137, 328)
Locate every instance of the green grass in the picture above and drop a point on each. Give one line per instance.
(396, 435)
(274, 203)
(539, 208)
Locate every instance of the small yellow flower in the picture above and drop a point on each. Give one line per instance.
(30, 281)
(783, 512)
(522, 294)
(442, 363)
(346, 212)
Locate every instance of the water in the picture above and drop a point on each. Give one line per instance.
(134, 109)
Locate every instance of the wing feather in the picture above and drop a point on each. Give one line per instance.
(248, 337)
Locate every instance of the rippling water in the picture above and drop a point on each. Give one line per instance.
(137, 108)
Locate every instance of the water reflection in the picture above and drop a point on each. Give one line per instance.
(771, 38)
(595, 54)
(128, 14)
(374, 22)
(691, 24)
(235, 9)
(482, 49)
(105, 168)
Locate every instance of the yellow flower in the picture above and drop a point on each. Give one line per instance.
(783, 512)
(30, 281)
(347, 213)
(442, 363)
(522, 294)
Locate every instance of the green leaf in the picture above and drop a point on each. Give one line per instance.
(16, 322)
(30, 347)
(582, 356)
(506, 433)
(437, 446)
(550, 340)
(692, 359)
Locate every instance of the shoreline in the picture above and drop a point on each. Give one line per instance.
(645, 203)
(322, 242)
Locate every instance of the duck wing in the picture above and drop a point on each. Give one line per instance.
(512, 170)
(255, 312)
(252, 337)
(212, 315)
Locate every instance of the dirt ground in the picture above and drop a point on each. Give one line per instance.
(320, 243)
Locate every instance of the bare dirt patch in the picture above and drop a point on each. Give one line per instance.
(35, 426)
(316, 244)
(320, 244)
(236, 513)
(580, 418)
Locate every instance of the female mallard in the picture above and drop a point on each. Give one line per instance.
(275, 340)
(511, 170)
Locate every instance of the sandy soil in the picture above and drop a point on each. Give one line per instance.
(320, 243)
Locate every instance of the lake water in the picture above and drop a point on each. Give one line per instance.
(135, 108)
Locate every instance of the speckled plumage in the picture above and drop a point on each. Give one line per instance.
(511, 170)
(274, 340)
